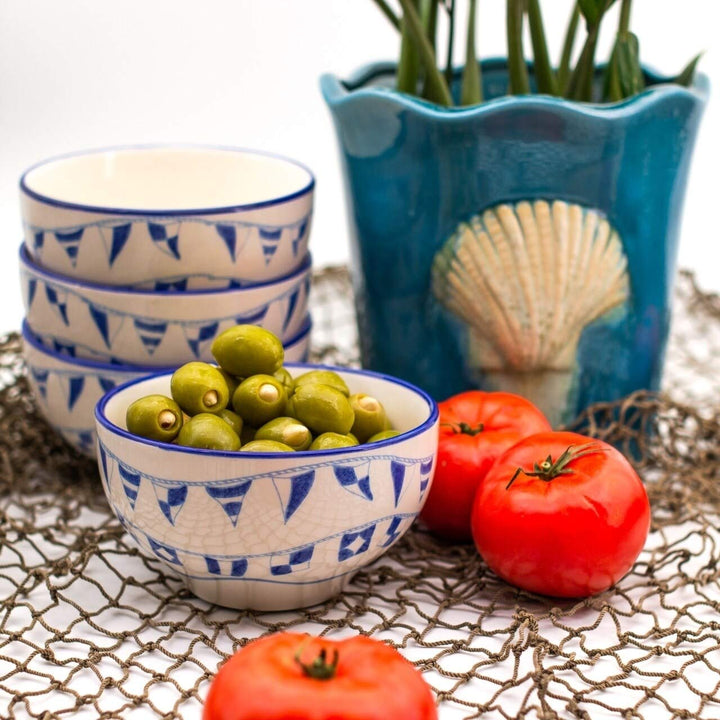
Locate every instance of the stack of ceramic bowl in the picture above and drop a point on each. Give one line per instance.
(136, 258)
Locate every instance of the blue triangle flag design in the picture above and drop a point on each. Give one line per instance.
(269, 240)
(397, 471)
(100, 319)
(392, 532)
(230, 498)
(40, 377)
(299, 236)
(229, 235)
(150, 333)
(31, 288)
(120, 235)
(292, 491)
(164, 286)
(355, 543)
(106, 383)
(200, 335)
(292, 304)
(131, 483)
(58, 300)
(170, 499)
(355, 479)
(64, 348)
(39, 239)
(164, 552)
(166, 237)
(425, 468)
(75, 388)
(288, 563)
(70, 242)
(235, 567)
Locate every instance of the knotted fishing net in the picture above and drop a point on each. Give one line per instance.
(90, 627)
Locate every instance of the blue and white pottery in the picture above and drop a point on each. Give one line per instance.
(191, 216)
(528, 243)
(269, 531)
(151, 327)
(297, 348)
(66, 389)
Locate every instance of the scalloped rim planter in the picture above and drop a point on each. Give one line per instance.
(416, 173)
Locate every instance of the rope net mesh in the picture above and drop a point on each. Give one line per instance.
(90, 627)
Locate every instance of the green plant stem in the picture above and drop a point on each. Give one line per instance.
(517, 69)
(450, 43)
(436, 81)
(563, 74)
(471, 90)
(544, 75)
(388, 12)
(408, 71)
(429, 20)
(581, 80)
(625, 9)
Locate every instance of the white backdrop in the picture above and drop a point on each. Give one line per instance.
(78, 74)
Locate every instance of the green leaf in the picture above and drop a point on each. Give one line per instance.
(592, 10)
(564, 68)
(611, 80)
(408, 71)
(471, 89)
(546, 81)
(686, 77)
(629, 72)
(436, 81)
(517, 69)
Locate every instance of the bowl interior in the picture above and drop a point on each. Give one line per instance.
(167, 178)
(408, 407)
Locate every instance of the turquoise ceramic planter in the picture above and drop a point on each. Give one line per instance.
(527, 244)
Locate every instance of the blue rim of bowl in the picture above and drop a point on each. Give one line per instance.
(29, 336)
(27, 261)
(425, 425)
(167, 211)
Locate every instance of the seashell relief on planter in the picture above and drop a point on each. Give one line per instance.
(526, 279)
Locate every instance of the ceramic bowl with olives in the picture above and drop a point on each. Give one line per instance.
(265, 484)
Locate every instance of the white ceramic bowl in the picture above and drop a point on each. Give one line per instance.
(146, 327)
(66, 389)
(269, 531)
(198, 215)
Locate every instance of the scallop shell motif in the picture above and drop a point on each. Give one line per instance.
(527, 279)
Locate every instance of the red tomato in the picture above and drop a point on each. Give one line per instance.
(290, 676)
(475, 428)
(561, 514)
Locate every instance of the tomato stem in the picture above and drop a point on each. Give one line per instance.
(319, 668)
(462, 428)
(549, 469)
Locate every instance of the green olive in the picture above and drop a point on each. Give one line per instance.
(246, 350)
(266, 446)
(284, 376)
(199, 387)
(156, 417)
(233, 420)
(384, 435)
(259, 398)
(322, 408)
(286, 430)
(331, 440)
(370, 416)
(231, 381)
(208, 431)
(325, 377)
